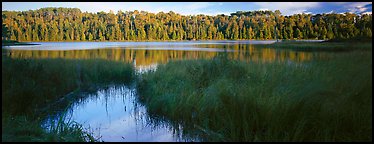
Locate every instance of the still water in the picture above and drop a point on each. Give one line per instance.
(114, 113)
(149, 54)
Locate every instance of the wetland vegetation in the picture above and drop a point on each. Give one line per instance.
(30, 86)
(322, 100)
(214, 82)
(222, 97)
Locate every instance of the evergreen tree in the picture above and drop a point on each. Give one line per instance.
(65, 24)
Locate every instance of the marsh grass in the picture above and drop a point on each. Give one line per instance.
(63, 129)
(33, 83)
(329, 46)
(30, 85)
(23, 129)
(228, 100)
(13, 42)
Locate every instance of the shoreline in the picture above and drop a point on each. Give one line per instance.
(14, 43)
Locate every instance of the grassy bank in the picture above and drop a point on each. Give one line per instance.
(321, 100)
(332, 46)
(23, 129)
(31, 85)
(13, 43)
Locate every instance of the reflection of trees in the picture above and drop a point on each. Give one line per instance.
(147, 57)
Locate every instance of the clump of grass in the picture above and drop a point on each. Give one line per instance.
(230, 100)
(13, 42)
(331, 46)
(351, 40)
(19, 128)
(61, 130)
(30, 85)
(23, 129)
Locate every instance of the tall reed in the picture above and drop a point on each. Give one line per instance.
(321, 100)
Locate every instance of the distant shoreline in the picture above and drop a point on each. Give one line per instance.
(14, 43)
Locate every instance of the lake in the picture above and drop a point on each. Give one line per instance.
(148, 54)
(114, 113)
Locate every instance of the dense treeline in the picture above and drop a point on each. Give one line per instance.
(70, 24)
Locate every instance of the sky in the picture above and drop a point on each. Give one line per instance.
(194, 8)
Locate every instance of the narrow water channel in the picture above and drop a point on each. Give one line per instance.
(115, 115)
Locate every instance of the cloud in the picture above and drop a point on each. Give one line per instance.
(307, 12)
(332, 11)
(367, 13)
(357, 7)
(287, 8)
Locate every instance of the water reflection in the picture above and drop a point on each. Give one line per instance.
(115, 115)
(142, 56)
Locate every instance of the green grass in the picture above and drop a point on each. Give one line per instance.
(356, 39)
(217, 100)
(226, 100)
(32, 85)
(332, 46)
(13, 42)
(23, 129)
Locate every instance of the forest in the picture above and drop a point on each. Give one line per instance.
(71, 24)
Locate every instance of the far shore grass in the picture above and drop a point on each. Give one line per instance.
(14, 43)
(334, 45)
